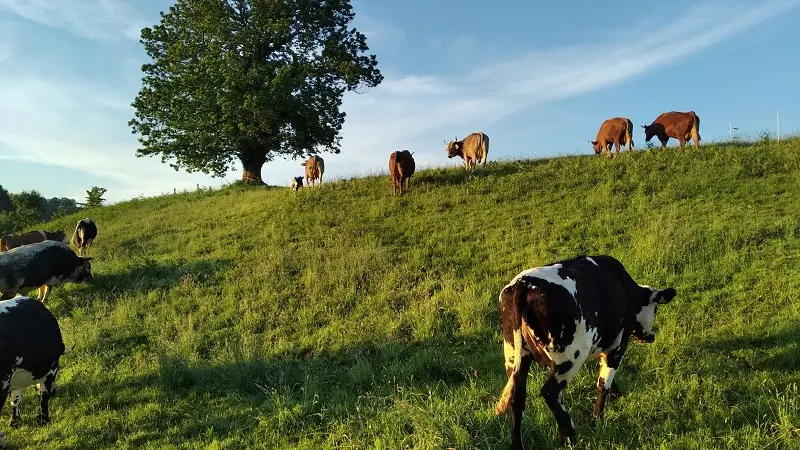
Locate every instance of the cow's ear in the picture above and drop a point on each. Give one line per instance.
(593, 142)
(665, 296)
(644, 126)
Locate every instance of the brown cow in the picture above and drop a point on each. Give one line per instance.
(677, 125)
(401, 167)
(31, 237)
(616, 131)
(473, 149)
(315, 167)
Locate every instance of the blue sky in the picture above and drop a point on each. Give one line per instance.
(536, 77)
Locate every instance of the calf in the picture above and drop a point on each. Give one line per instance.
(84, 235)
(297, 183)
(44, 265)
(31, 237)
(473, 149)
(401, 167)
(30, 348)
(563, 314)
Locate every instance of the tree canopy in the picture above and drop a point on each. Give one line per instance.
(248, 80)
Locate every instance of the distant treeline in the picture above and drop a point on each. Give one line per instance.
(23, 209)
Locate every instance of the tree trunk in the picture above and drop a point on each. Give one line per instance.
(252, 162)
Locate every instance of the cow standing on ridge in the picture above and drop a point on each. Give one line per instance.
(30, 349)
(315, 167)
(31, 237)
(678, 125)
(401, 167)
(84, 235)
(473, 149)
(563, 314)
(616, 131)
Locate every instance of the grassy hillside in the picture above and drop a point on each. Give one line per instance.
(342, 317)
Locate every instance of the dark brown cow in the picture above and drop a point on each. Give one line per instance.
(616, 131)
(677, 125)
(401, 167)
(473, 149)
(315, 167)
(31, 237)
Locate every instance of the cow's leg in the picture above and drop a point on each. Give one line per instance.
(46, 290)
(46, 391)
(681, 141)
(664, 141)
(563, 369)
(518, 399)
(6, 371)
(16, 419)
(616, 148)
(609, 363)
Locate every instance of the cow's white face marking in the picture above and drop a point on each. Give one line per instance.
(5, 305)
(645, 318)
(549, 274)
(589, 258)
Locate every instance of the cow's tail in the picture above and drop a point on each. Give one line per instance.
(76, 235)
(516, 301)
(695, 130)
(484, 146)
(629, 134)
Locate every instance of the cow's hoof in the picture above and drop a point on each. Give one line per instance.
(16, 422)
(42, 420)
(566, 435)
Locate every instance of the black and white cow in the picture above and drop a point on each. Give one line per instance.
(563, 314)
(84, 234)
(44, 265)
(30, 349)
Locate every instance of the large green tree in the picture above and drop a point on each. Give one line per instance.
(248, 80)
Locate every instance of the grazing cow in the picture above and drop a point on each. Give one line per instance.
(678, 125)
(616, 131)
(315, 167)
(297, 183)
(84, 235)
(30, 349)
(401, 167)
(563, 314)
(44, 265)
(31, 237)
(473, 149)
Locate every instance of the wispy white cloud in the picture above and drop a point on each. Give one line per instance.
(94, 19)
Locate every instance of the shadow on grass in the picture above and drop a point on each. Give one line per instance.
(140, 278)
(760, 350)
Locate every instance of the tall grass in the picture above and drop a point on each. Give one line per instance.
(343, 317)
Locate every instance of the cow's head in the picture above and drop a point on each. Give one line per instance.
(648, 132)
(597, 147)
(454, 148)
(82, 271)
(650, 300)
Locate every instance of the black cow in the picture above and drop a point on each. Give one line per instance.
(84, 235)
(44, 265)
(563, 314)
(30, 348)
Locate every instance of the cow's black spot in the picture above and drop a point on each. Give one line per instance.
(564, 367)
(577, 354)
